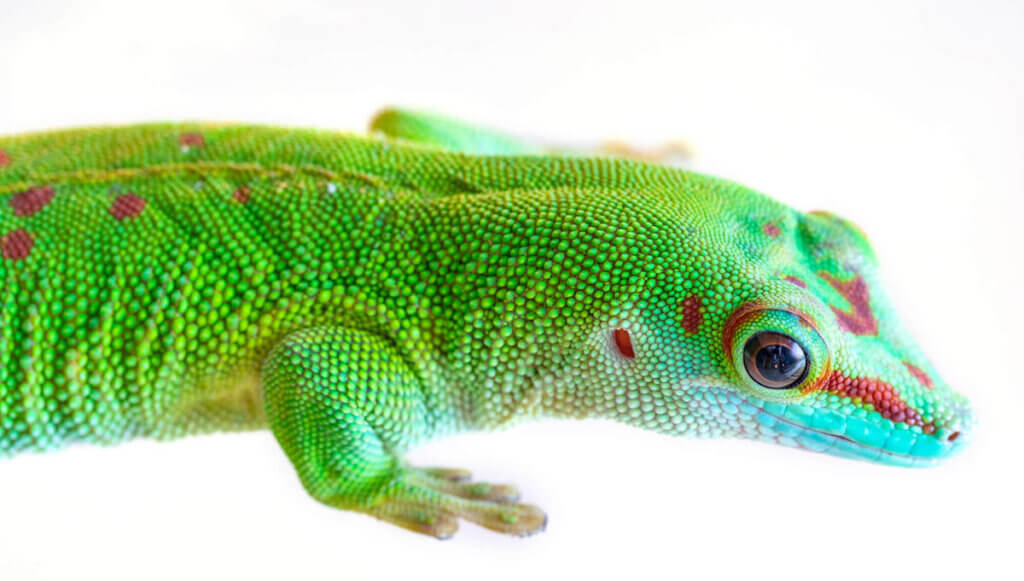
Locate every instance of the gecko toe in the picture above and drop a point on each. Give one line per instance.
(432, 500)
(452, 474)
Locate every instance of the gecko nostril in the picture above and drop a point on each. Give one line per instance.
(953, 436)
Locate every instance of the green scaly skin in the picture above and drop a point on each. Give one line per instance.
(359, 296)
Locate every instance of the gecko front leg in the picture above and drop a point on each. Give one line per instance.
(343, 403)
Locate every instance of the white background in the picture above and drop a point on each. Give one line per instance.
(903, 116)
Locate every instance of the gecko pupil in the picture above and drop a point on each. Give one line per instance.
(775, 360)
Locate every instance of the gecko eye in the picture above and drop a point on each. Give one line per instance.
(775, 361)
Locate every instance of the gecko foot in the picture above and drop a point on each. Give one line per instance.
(432, 500)
(674, 153)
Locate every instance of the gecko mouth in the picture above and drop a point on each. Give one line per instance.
(899, 446)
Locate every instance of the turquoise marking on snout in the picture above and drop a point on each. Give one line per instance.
(867, 438)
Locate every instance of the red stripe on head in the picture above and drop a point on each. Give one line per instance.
(878, 394)
(797, 281)
(861, 321)
(919, 374)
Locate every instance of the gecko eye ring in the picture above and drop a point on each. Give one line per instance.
(775, 361)
(778, 353)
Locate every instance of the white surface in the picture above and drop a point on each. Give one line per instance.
(904, 117)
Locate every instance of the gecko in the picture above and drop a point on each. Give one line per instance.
(358, 295)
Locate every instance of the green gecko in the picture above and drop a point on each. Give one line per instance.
(359, 295)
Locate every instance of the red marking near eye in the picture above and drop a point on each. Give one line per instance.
(752, 309)
(127, 206)
(5, 158)
(798, 282)
(734, 321)
(919, 374)
(771, 230)
(16, 245)
(953, 436)
(878, 394)
(623, 343)
(31, 200)
(693, 314)
(242, 195)
(861, 321)
(191, 140)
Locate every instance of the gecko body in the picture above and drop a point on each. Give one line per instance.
(359, 295)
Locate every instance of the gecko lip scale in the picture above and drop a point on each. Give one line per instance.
(924, 450)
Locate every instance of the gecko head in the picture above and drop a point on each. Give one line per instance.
(816, 357)
(772, 324)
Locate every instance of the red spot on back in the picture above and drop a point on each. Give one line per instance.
(623, 343)
(16, 245)
(771, 230)
(5, 158)
(919, 374)
(31, 200)
(878, 394)
(861, 321)
(127, 206)
(191, 140)
(798, 282)
(242, 195)
(693, 315)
